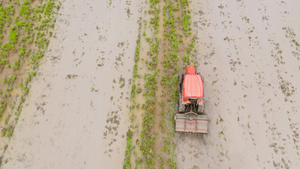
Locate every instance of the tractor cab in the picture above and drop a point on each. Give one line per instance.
(192, 88)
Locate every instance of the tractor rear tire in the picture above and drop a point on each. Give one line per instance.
(181, 106)
(200, 109)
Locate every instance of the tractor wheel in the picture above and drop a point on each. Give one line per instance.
(200, 109)
(180, 80)
(181, 106)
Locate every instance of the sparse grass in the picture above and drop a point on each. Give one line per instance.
(129, 148)
(186, 17)
(154, 21)
(147, 134)
(136, 58)
(133, 92)
(127, 164)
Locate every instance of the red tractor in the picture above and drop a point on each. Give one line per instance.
(190, 116)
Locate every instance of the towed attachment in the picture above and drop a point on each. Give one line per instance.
(191, 122)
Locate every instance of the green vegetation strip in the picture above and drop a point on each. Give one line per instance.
(176, 28)
(25, 29)
(130, 132)
(147, 134)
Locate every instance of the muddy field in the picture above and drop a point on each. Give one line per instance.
(249, 55)
(77, 111)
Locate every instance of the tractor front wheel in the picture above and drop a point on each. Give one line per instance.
(180, 80)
